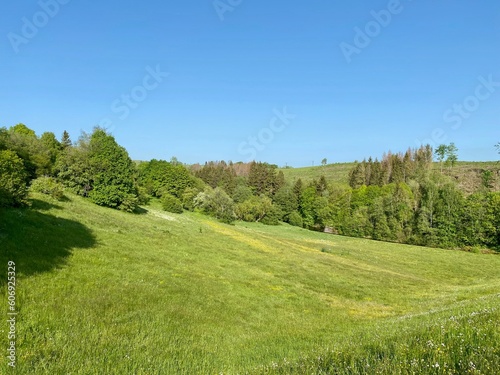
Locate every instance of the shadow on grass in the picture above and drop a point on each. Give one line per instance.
(140, 211)
(36, 241)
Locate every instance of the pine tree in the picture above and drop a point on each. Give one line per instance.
(65, 140)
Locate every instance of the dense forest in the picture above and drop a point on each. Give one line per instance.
(402, 198)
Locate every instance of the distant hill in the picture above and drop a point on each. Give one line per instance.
(468, 174)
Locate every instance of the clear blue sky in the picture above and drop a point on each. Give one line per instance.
(230, 70)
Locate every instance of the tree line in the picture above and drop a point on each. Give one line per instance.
(400, 198)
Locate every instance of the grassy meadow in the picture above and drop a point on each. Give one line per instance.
(105, 292)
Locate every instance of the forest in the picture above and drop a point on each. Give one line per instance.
(408, 197)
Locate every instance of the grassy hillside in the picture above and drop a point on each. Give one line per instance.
(468, 174)
(105, 292)
(338, 172)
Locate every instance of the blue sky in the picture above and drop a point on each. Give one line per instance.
(288, 82)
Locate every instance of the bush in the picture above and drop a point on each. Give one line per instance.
(129, 203)
(49, 186)
(295, 219)
(13, 176)
(217, 203)
(273, 216)
(171, 204)
(188, 198)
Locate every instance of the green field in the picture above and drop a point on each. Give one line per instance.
(105, 292)
(337, 173)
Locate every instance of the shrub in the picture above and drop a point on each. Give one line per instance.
(129, 203)
(188, 198)
(273, 216)
(295, 219)
(171, 204)
(12, 179)
(49, 186)
(217, 203)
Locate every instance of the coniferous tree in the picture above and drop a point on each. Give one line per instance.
(65, 140)
(357, 176)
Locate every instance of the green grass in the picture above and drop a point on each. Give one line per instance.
(106, 292)
(336, 173)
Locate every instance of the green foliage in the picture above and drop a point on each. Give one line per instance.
(306, 206)
(219, 174)
(448, 152)
(129, 203)
(188, 198)
(254, 208)
(357, 176)
(73, 167)
(48, 186)
(22, 129)
(171, 204)
(4, 135)
(13, 190)
(99, 168)
(265, 179)
(241, 193)
(160, 177)
(65, 140)
(295, 219)
(394, 168)
(36, 153)
(112, 171)
(286, 199)
(216, 202)
(50, 142)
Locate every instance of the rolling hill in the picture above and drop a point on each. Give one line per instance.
(105, 292)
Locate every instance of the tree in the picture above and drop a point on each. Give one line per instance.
(22, 129)
(441, 152)
(497, 146)
(286, 200)
(35, 154)
(73, 167)
(160, 177)
(451, 155)
(13, 177)
(171, 204)
(112, 171)
(254, 208)
(357, 176)
(324, 162)
(65, 140)
(263, 178)
(307, 207)
(50, 142)
(217, 203)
